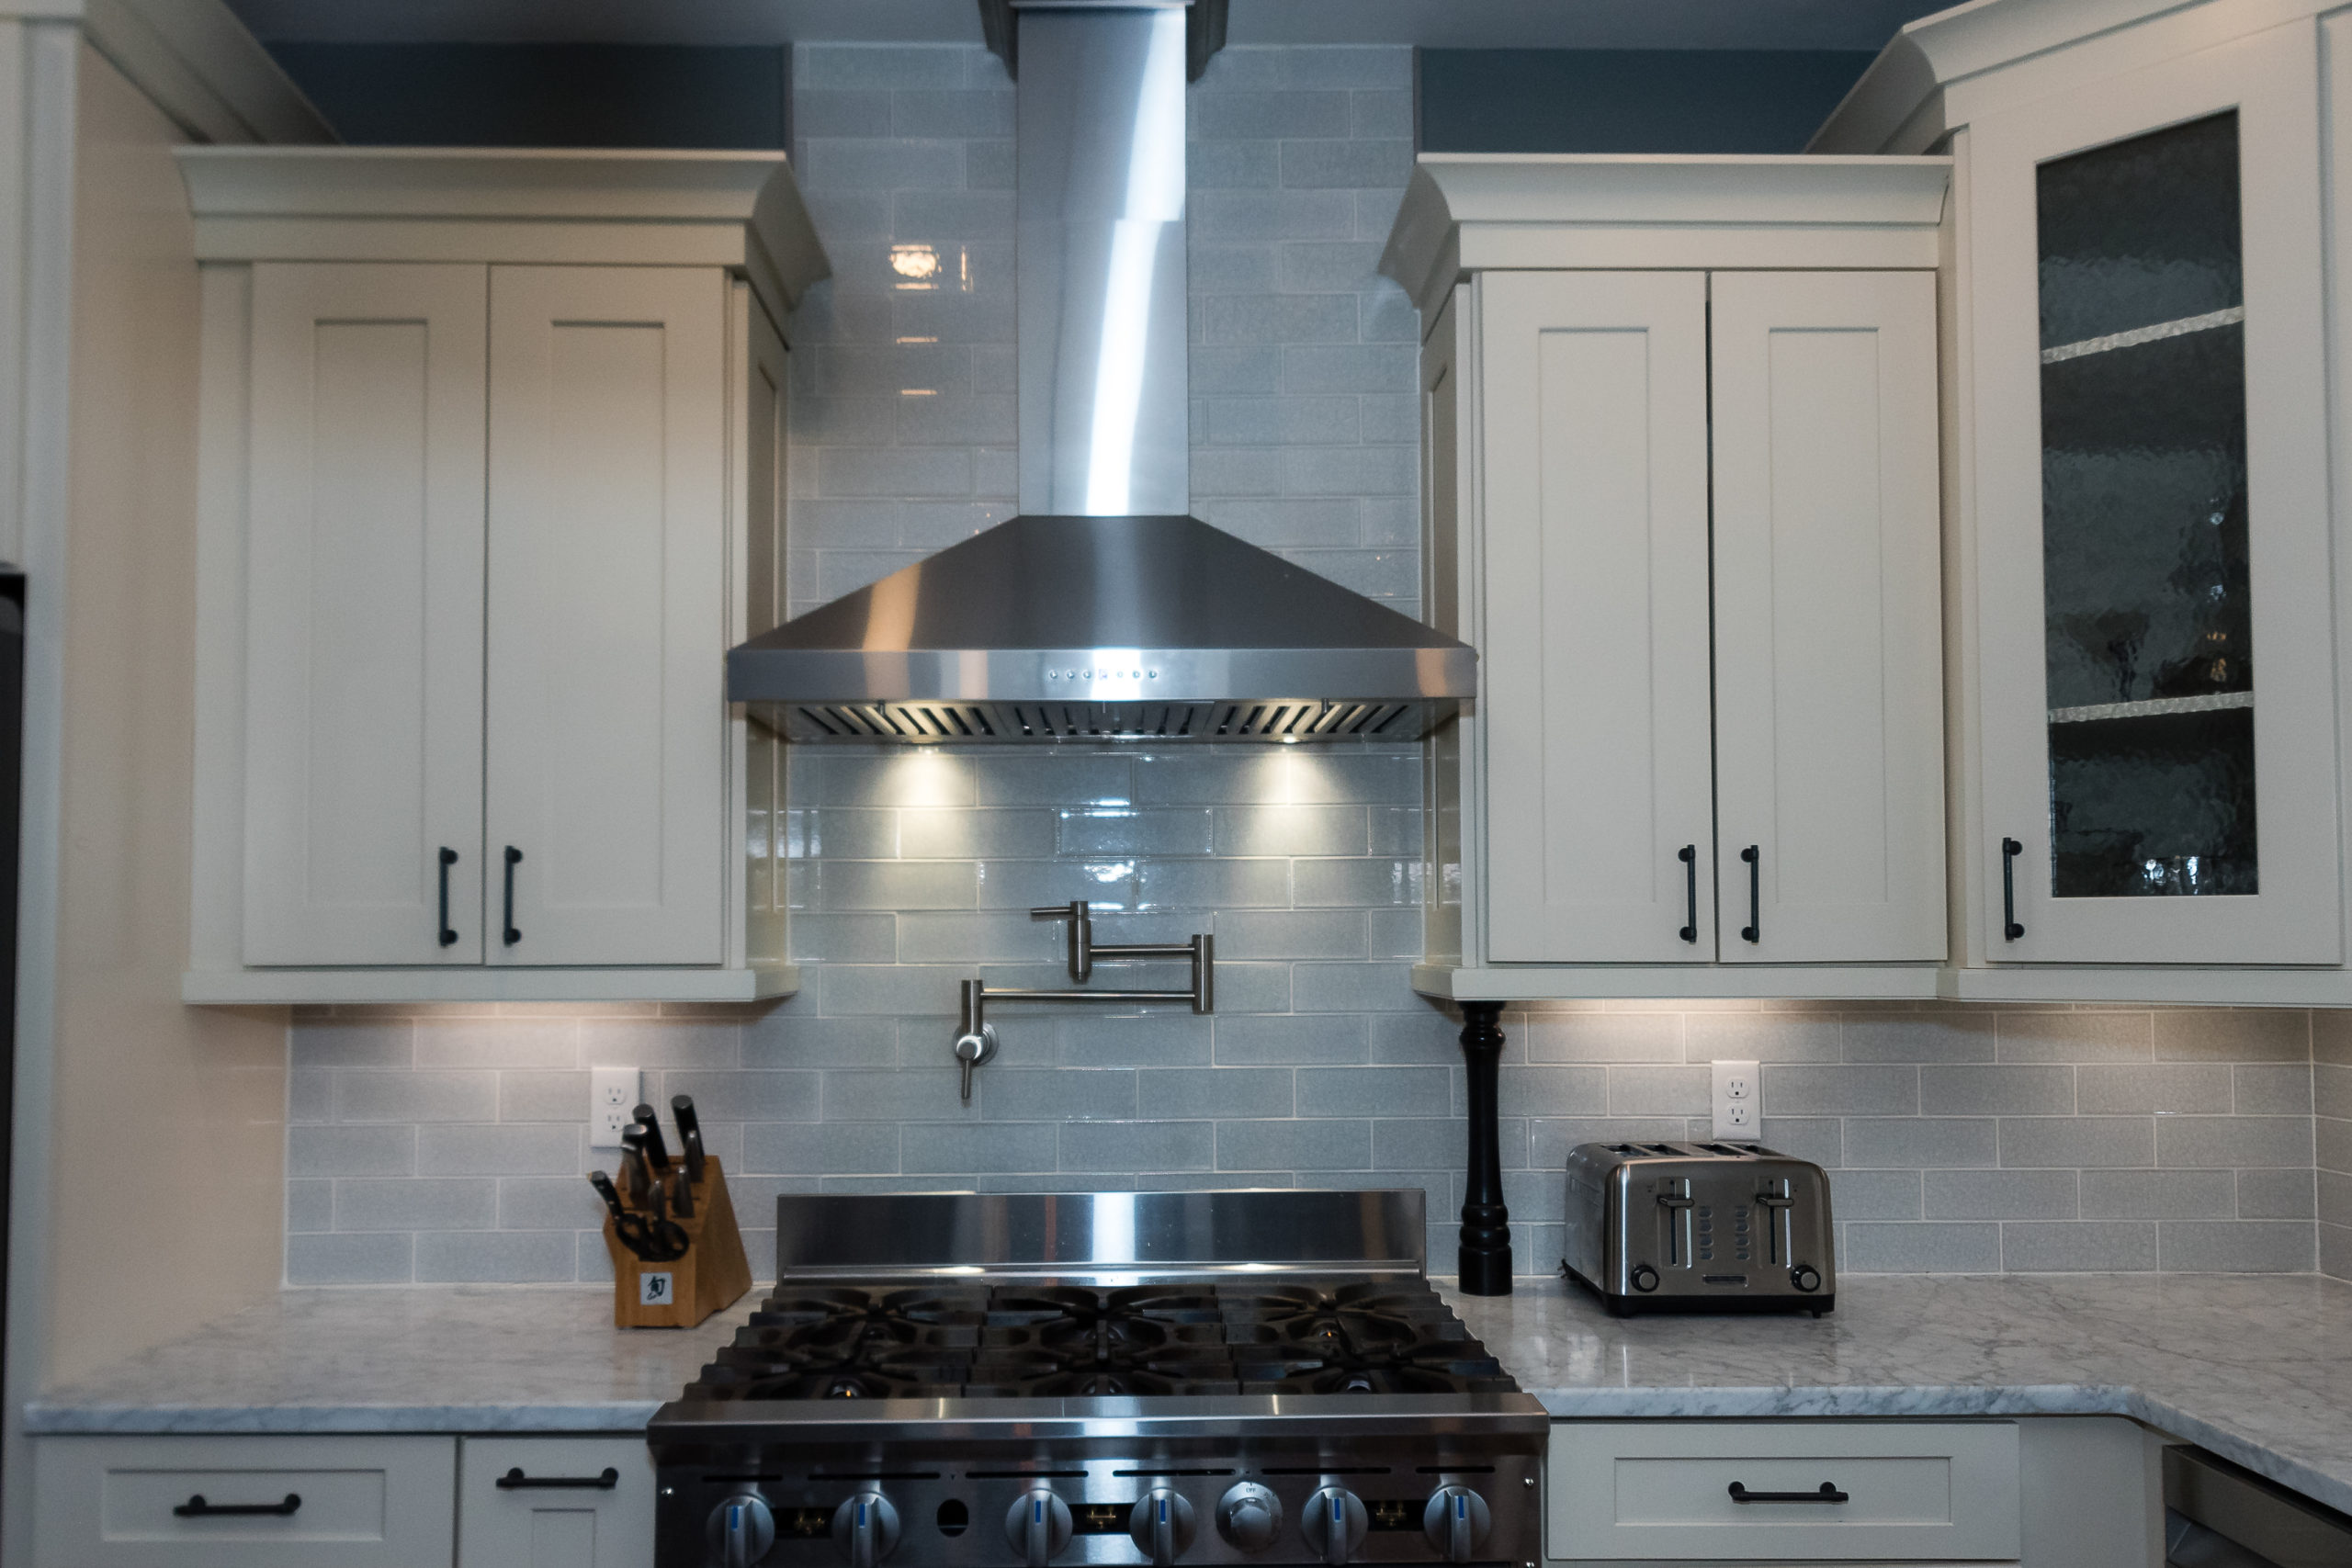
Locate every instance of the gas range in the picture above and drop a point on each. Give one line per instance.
(1260, 1377)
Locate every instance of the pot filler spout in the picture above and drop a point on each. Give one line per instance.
(1103, 611)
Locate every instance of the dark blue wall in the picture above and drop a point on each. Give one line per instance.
(476, 95)
(1628, 100)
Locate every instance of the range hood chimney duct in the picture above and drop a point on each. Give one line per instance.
(1103, 611)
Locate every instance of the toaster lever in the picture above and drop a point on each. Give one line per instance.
(1674, 1197)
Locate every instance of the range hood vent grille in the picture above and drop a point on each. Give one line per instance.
(938, 722)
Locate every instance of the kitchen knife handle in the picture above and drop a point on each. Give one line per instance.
(1754, 930)
(449, 859)
(196, 1507)
(513, 859)
(657, 1150)
(1689, 859)
(2010, 929)
(1827, 1494)
(682, 1107)
(515, 1481)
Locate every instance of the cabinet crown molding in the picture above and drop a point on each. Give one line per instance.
(740, 209)
(1898, 104)
(1467, 212)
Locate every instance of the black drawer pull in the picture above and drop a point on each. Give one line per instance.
(515, 1481)
(196, 1507)
(1827, 1494)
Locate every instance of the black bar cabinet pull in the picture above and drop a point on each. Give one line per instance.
(1827, 1494)
(196, 1507)
(1689, 859)
(513, 859)
(449, 859)
(1754, 930)
(2010, 929)
(515, 1481)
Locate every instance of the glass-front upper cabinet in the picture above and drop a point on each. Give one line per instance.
(2157, 692)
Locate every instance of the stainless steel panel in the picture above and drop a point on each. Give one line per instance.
(1100, 278)
(861, 1235)
(2256, 1519)
(1049, 627)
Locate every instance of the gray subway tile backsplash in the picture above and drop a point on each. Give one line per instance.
(431, 1144)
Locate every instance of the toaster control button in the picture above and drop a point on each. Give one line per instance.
(1805, 1277)
(1645, 1277)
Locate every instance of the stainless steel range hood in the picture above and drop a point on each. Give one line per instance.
(1103, 611)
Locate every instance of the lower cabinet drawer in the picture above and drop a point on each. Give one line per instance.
(1775, 1492)
(555, 1503)
(230, 1502)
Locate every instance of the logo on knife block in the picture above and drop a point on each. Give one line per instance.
(653, 1289)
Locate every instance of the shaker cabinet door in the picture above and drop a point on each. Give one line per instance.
(2158, 712)
(607, 715)
(1599, 830)
(364, 593)
(1828, 652)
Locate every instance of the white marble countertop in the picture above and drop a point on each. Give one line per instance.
(2252, 1367)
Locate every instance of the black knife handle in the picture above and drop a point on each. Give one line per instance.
(1827, 1494)
(515, 1481)
(682, 1109)
(513, 859)
(1688, 856)
(608, 1192)
(1754, 930)
(449, 859)
(657, 1151)
(196, 1507)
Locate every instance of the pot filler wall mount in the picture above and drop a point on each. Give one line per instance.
(1104, 612)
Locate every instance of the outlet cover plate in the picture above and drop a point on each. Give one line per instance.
(613, 1099)
(1738, 1102)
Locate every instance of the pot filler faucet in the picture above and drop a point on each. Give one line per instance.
(976, 1036)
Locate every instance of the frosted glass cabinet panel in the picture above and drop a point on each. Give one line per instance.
(2158, 692)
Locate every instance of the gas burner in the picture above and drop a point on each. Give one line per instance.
(1068, 1320)
(873, 1320)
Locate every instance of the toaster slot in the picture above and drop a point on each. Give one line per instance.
(1779, 1208)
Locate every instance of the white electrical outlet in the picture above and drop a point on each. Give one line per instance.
(1739, 1100)
(614, 1094)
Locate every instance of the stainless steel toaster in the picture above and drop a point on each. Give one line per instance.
(1700, 1227)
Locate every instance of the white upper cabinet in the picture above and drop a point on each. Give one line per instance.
(1828, 741)
(364, 654)
(1594, 458)
(2145, 566)
(608, 713)
(492, 478)
(1687, 510)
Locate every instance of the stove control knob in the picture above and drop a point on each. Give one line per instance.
(1162, 1525)
(1249, 1516)
(866, 1528)
(741, 1530)
(1038, 1527)
(1334, 1524)
(1456, 1522)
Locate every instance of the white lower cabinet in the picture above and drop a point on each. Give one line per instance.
(555, 1503)
(343, 1502)
(1785, 1491)
(211, 1501)
(2047, 1492)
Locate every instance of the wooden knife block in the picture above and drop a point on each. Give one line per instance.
(711, 1277)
